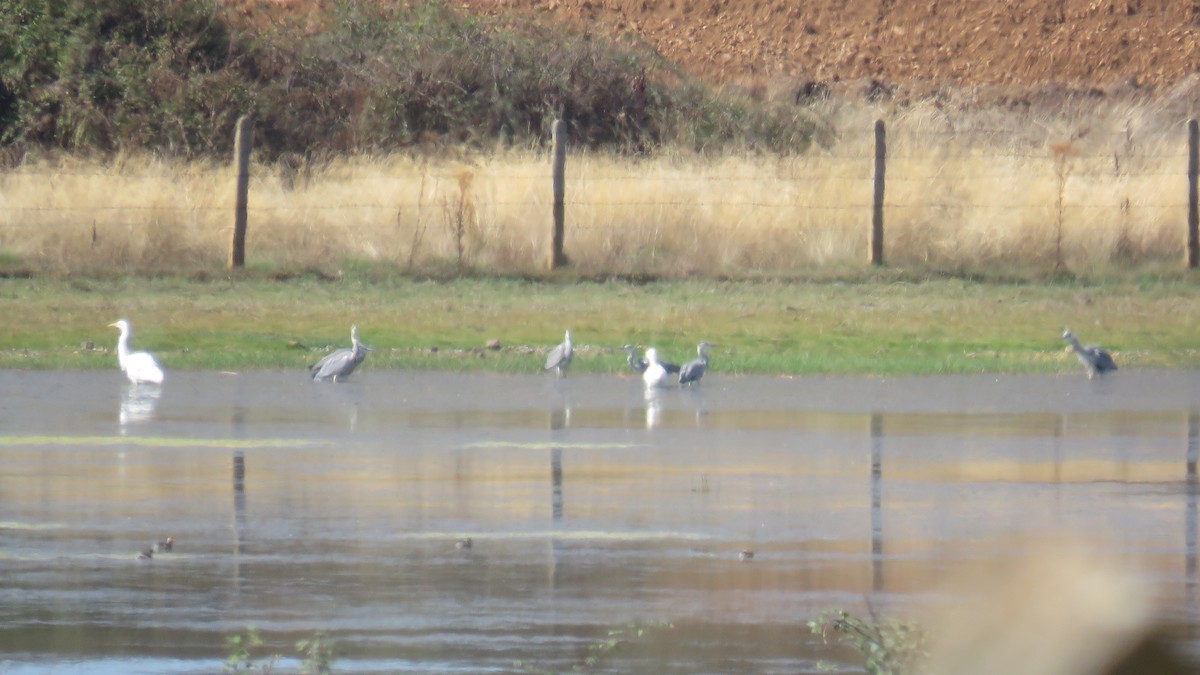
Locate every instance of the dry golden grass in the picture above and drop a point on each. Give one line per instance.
(1087, 193)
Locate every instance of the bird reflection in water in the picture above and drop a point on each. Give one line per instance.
(559, 397)
(138, 404)
(653, 407)
(692, 399)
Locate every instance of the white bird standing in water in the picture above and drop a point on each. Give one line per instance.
(559, 358)
(1097, 360)
(656, 374)
(139, 367)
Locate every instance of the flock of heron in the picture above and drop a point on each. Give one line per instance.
(141, 367)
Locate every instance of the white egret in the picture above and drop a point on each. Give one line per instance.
(1096, 359)
(338, 365)
(559, 358)
(139, 367)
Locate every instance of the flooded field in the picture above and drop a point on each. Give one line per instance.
(590, 507)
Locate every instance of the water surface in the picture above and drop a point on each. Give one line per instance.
(591, 505)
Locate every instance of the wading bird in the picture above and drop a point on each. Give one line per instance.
(139, 367)
(559, 358)
(1096, 359)
(338, 365)
(656, 374)
(639, 365)
(694, 370)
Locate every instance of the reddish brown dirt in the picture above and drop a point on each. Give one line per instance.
(1147, 44)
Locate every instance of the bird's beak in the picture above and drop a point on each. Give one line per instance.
(370, 349)
(113, 325)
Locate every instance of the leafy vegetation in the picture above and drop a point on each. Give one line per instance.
(888, 646)
(246, 654)
(614, 639)
(172, 77)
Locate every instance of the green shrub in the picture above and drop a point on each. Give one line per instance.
(172, 76)
(888, 646)
(113, 74)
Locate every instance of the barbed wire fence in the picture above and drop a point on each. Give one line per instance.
(906, 202)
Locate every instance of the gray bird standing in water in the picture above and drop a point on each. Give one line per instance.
(1097, 360)
(338, 365)
(559, 358)
(693, 370)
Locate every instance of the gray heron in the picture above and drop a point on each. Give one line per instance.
(559, 358)
(338, 365)
(1096, 359)
(639, 365)
(139, 367)
(694, 370)
(656, 374)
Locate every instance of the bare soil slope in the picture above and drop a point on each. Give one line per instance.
(913, 44)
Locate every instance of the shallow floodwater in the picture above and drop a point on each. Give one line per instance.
(299, 507)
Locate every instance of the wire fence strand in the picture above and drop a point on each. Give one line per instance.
(940, 194)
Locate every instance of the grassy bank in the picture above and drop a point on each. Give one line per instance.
(880, 325)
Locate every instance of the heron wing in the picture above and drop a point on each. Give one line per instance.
(670, 367)
(1104, 360)
(331, 365)
(692, 371)
(556, 357)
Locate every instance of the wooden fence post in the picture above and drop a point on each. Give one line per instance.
(242, 142)
(877, 206)
(1193, 217)
(555, 258)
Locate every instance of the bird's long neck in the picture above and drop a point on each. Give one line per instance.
(1075, 344)
(123, 346)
